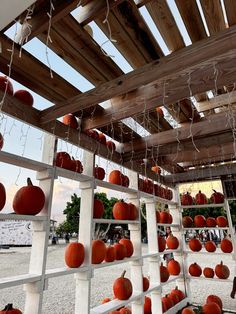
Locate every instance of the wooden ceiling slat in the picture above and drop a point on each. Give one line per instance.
(213, 14)
(230, 8)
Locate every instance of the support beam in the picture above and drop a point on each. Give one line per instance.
(227, 99)
(197, 67)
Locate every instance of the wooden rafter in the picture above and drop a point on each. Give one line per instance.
(213, 15)
(230, 8)
(227, 100)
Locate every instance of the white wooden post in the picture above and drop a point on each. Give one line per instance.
(41, 229)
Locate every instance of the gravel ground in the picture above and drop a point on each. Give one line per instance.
(59, 298)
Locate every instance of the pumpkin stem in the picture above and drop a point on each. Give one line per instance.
(123, 274)
(8, 307)
(214, 190)
(200, 191)
(29, 182)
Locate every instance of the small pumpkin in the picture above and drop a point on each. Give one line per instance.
(129, 246)
(188, 310)
(63, 160)
(29, 200)
(5, 84)
(147, 307)
(115, 177)
(124, 180)
(174, 298)
(161, 243)
(208, 272)
(195, 270)
(187, 222)
(125, 310)
(120, 251)
(1, 141)
(199, 221)
(211, 308)
(71, 121)
(179, 293)
(170, 219)
(133, 212)
(222, 221)
(102, 138)
(98, 208)
(173, 267)
(200, 198)
(122, 287)
(98, 251)
(105, 300)
(172, 242)
(99, 173)
(93, 134)
(211, 222)
(121, 210)
(110, 254)
(159, 112)
(222, 271)
(167, 303)
(186, 199)
(214, 298)
(2, 196)
(164, 217)
(195, 245)
(145, 283)
(226, 246)
(158, 217)
(164, 274)
(25, 97)
(76, 165)
(217, 197)
(74, 254)
(156, 169)
(10, 310)
(210, 246)
(111, 146)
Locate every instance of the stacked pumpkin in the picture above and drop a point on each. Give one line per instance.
(63, 160)
(147, 186)
(118, 178)
(99, 173)
(201, 199)
(226, 245)
(221, 271)
(171, 299)
(124, 211)
(163, 217)
(200, 221)
(213, 305)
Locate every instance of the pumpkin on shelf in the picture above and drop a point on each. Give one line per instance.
(172, 242)
(214, 298)
(165, 217)
(186, 199)
(1, 141)
(211, 222)
(105, 300)
(210, 246)
(222, 221)
(167, 303)
(161, 243)
(164, 274)
(6, 85)
(93, 134)
(99, 173)
(188, 310)
(217, 197)
(156, 169)
(29, 200)
(124, 180)
(208, 272)
(159, 112)
(199, 221)
(115, 177)
(129, 246)
(2, 196)
(98, 208)
(70, 120)
(102, 138)
(98, 251)
(121, 210)
(120, 251)
(174, 298)
(146, 283)
(187, 222)
(111, 146)
(200, 198)
(125, 310)
(133, 212)
(25, 97)
(110, 254)
(211, 308)
(173, 267)
(63, 160)
(195, 270)
(226, 245)
(222, 271)
(178, 292)
(9, 309)
(74, 255)
(195, 245)
(158, 216)
(122, 287)
(147, 307)
(76, 165)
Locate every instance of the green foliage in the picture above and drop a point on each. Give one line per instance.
(63, 228)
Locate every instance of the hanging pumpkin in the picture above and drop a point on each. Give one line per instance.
(174, 298)
(173, 267)
(70, 120)
(129, 247)
(211, 308)
(172, 242)
(133, 212)
(120, 251)
(98, 251)
(111, 146)
(147, 307)
(74, 254)
(201, 198)
(210, 246)
(158, 216)
(214, 298)
(10, 310)
(195, 270)
(98, 208)
(226, 246)
(222, 271)
(208, 272)
(217, 197)
(1, 141)
(222, 221)
(99, 173)
(164, 274)
(188, 310)
(29, 200)
(161, 243)
(145, 283)
(159, 112)
(76, 165)
(5, 84)
(122, 288)
(199, 221)
(63, 160)
(186, 199)
(187, 222)
(93, 134)
(156, 169)
(25, 97)
(121, 210)
(179, 293)
(2, 196)
(195, 245)
(110, 254)
(102, 138)
(124, 180)
(210, 222)
(167, 303)
(115, 177)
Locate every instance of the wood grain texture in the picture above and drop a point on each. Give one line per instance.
(227, 100)
(230, 8)
(213, 15)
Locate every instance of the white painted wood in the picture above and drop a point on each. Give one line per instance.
(115, 187)
(88, 163)
(203, 206)
(114, 221)
(22, 217)
(8, 282)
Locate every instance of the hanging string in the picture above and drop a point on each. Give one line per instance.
(49, 14)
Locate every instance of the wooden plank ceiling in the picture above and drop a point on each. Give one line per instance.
(156, 79)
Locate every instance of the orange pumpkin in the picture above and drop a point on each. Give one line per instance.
(167, 303)
(217, 197)
(124, 180)
(222, 221)
(226, 246)
(147, 307)
(122, 288)
(172, 242)
(121, 211)
(25, 97)
(76, 165)
(133, 212)
(214, 298)
(115, 177)
(179, 293)
(110, 254)
(29, 200)
(186, 199)
(156, 169)
(102, 138)
(5, 84)
(129, 247)
(161, 243)
(195, 245)
(200, 198)
(125, 310)
(2, 196)
(199, 221)
(164, 274)
(105, 300)
(98, 208)
(1, 141)
(170, 219)
(164, 217)
(173, 267)
(74, 254)
(158, 216)
(98, 251)
(222, 271)
(187, 222)
(174, 298)
(114, 312)
(208, 272)
(187, 310)
(195, 270)
(111, 146)
(210, 222)
(145, 283)
(160, 112)
(10, 310)
(120, 251)
(210, 246)
(63, 160)
(211, 308)
(99, 173)
(93, 134)
(71, 121)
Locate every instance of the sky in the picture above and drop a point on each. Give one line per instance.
(26, 141)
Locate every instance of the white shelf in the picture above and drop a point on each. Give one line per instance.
(68, 174)
(171, 279)
(114, 221)
(156, 198)
(178, 306)
(206, 228)
(210, 279)
(115, 187)
(203, 206)
(168, 225)
(22, 217)
(8, 282)
(116, 262)
(167, 251)
(57, 272)
(23, 162)
(207, 253)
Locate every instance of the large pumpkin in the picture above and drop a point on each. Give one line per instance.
(195, 270)
(102, 138)
(125, 310)
(129, 247)
(222, 221)
(199, 221)
(161, 243)
(110, 254)
(188, 310)
(179, 293)
(210, 246)
(115, 177)
(186, 199)
(120, 251)
(172, 242)
(217, 197)
(122, 288)
(147, 307)
(195, 245)
(210, 222)
(98, 208)
(63, 160)
(25, 97)
(133, 212)
(226, 246)
(2, 196)
(145, 283)
(175, 299)
(214, 298)
(211, 308)
(187, 222)
(173, 267)
(200, 198)
(164, 274)
(167, 303)
(208, 272)
(164, 217)
(10, 310)
(222, 271)
(29, 200)
(74, 255)
(121, 211)
(99, 173)
(1, 141)
(98, 251)
(111, 146)
(5, 84)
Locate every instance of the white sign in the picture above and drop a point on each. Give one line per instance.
(14, 232)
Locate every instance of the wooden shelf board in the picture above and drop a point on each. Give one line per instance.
(125, 260)
(171, 279)
(156, 198)
(57, 272)
(68, 174)
(210, 279)
(114, 221)
(203, 206)
(18, 280)
(178, 306)
(115, 187)
(22, 217)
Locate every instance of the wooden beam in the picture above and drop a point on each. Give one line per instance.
(198, 59)
(230, 8)
(213, 15)
(227, 99)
